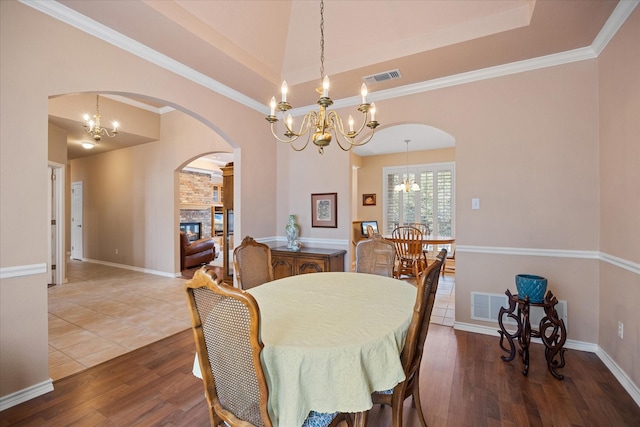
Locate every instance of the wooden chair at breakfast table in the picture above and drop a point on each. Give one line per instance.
(408, 241)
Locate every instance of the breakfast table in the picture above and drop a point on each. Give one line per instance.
(330, 340)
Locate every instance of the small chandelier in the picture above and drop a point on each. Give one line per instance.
(92, 127)
(406, 186)
(323, 123)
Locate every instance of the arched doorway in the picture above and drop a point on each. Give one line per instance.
(131, 214)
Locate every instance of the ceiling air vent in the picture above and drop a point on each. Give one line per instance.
(382, 77)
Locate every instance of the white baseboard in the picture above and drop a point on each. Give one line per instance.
(613, 367)
(23, 395)
(493, 331)
(620, 375)
(133, 268)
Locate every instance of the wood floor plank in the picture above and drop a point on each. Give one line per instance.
(463, 383)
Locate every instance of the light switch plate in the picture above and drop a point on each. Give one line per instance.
(475, 203)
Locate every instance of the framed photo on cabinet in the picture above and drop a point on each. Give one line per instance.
(324, 210)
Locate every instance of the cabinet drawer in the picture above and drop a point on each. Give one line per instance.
(287, 262)
(283, 266)
(311, 265)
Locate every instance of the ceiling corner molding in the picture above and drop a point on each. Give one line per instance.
(96, 29)
(164, 110)
(553, 60)
(618, 17)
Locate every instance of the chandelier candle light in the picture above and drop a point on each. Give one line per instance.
(406, 186)
(92, 127)
(324, 123)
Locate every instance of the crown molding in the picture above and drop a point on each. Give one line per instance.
(94, 28)
(619, 15)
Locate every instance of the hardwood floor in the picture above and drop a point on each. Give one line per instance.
(463, 383)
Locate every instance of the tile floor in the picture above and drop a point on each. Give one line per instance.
(444, 308)
(103, 312)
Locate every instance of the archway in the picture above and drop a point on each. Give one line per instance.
(132, 202)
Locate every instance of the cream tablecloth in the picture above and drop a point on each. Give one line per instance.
(330, 340)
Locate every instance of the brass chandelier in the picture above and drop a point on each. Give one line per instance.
(324, 124)
(407, 186)
(93, 128)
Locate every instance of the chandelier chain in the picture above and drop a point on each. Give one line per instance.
(321, 40)
(322, 126)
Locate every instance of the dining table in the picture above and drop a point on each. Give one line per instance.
(330, 340)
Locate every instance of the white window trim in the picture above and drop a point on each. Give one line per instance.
(386, 170)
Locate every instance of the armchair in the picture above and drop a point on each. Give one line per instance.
(197, 252)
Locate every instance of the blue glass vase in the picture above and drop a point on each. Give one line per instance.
(529, 285)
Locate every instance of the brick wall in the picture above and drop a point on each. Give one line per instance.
(195, 188)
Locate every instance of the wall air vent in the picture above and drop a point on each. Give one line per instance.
(485, 306)
(382, 77)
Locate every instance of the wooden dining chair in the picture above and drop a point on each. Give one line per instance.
(411, 355)
(449, 265)
(422, 227)
(376, 255)
(252, 263)
(226, 327)
(426, 232)
(408, 241)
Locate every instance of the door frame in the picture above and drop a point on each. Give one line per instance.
(56, 211)
(76, 212)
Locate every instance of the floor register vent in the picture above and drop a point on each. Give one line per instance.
(487, 306)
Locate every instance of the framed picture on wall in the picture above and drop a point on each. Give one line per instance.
(368, 200)
(324, 210)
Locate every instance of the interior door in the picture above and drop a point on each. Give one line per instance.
(76, 220)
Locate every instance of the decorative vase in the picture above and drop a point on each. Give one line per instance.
(529, 285)
(293, 231)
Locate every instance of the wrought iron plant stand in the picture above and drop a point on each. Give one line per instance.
(551, 331)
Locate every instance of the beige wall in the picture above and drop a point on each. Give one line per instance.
(57, 145)
(51, 68)
(526, 145)
(301, 174)
(619, 293)
(129, 199)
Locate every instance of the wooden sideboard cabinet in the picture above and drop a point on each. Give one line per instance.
(287, 262)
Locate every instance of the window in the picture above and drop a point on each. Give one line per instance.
(433, 204)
